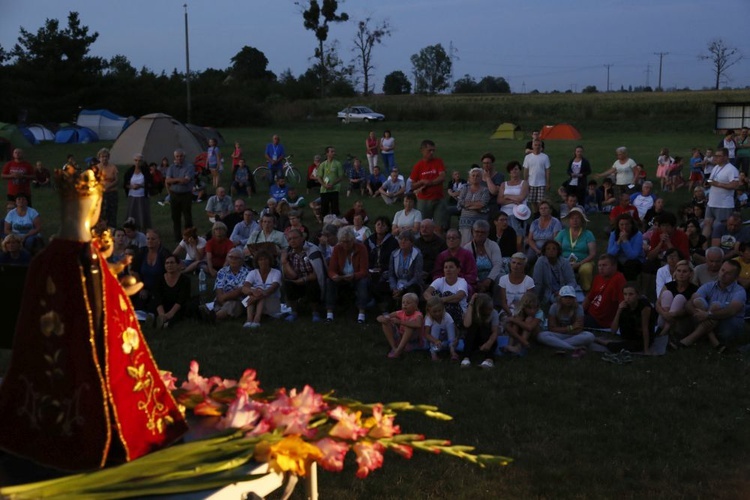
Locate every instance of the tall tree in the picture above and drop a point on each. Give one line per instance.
(364, 40)
(465, 85)
(432, 70)
(722, 58)
(493, 85)
(250, 64)
(317, 18)
(396, 83)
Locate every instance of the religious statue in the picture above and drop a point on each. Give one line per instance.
(83, 390)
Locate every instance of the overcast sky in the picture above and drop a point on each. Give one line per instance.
(540, 44)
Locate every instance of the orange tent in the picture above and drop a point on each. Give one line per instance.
(561, 131)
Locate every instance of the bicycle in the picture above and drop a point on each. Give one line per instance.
(263, 174)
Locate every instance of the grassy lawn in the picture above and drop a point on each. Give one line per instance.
(671, 427)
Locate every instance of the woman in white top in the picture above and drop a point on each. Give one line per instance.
(409, 217)
(511, 193)
(137, 184)
(514, 284)
(262, 287)
(388, 151)
(624, 169)
(193, 247)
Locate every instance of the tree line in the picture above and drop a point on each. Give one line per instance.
(49, 75)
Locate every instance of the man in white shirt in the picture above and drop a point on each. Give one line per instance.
(536, 167)
(725, 178)
(644, 200)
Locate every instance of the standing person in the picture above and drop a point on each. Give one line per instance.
(473, 203)
(427, 177)
(512, 192)
(19, 173)
(536, 167)
(275, 156)
(137, 182)
(371, 150)
(312, 173)
(330, 174)
(236, 156)
(728, 143)
(742, 151)
(530, 145)
(663, 165)
(579, 169)
(109, 173)
(214, 161)
(725, 178)
(388, 151)
(180, 179)
(624, 169)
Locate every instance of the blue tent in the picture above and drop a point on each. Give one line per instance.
(75, 135)
(28, 135)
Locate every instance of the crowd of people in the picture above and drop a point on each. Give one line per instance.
(472, 268)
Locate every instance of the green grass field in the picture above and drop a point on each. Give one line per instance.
(671, 427)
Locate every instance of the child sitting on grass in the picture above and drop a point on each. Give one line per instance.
(482, 325)
(524, 324)
(402, 328)
(439, 329)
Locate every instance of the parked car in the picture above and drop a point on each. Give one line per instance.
(359, 114)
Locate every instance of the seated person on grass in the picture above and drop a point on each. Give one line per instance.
(403, 328)
(393, 188)
(565, 326)
(439, 329)
(729, 235)
(605, 295)
(228, 288)
(304, 274)
(551, 273)
(663, 238)
(635, 319)
(263, 289)
(375, 181)
(452, 290)
(524, 325)
(482, 324)
(718, 308)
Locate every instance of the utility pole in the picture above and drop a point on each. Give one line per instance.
(608, 66)
(451, 56)
(661, 59)
(523, 87)
(648, 74)
(187, 66)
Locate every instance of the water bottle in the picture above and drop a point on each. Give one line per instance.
(201, 281)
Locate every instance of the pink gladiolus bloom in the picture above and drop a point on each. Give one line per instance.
(348, 426)
(209, 408)
(242, 413)
(381, 426)
(292, 413)
(168, 379)
(195, 383)
(369, 457)
(261, 428)
(248, 383)
(333, 454)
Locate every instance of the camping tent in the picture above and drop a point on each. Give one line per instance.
(40, 132)
(561, 131)
(73, 134)
(106, 124)
(508, 131)
(13, 135)
(203, 134)
(154, 136)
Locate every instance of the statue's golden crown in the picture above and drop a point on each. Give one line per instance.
(72, 183)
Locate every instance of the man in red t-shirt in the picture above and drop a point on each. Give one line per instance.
(605, 295)
(427, 178)
(19, 174)
(623, 207)
(663, 238)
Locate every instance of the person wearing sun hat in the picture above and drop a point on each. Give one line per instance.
(578, 246)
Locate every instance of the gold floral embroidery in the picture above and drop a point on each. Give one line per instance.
(130, 340)
(50, 323)
(155, 410)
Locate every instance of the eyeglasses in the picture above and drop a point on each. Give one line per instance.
(452, 237)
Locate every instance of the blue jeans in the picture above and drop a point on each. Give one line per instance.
(389, 161)
(361, 291)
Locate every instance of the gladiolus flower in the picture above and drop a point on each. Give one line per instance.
(209, 408)
(381, 426)
(291, 454)
(333, 454)
(168, 379)
(243, 413)
(369, 457)
(195, 383)
(348, 426)
(248, 383)
(402, 449)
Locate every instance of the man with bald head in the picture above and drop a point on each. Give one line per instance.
(180, 179)
(709, 270)
(219, 206)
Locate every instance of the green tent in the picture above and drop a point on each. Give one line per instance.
(10, 133)
(508, 131)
